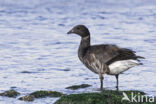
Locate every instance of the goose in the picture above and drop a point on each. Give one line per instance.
(104, 58)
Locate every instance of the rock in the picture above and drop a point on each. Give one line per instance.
(27, 98)
(28, 72)
(85, 98)
(42, 94)
(75, 87)
(105, 97)
(10, 93)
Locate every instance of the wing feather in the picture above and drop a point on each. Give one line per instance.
(107, 54)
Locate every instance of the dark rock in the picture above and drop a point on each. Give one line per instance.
(10, 93)
(27, 72)
(27, 98)
(105, 97)
(42, 94)
(75, 87)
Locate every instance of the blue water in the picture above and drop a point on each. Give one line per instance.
(33, 38)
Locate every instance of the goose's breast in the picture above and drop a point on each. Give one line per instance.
(92, 63)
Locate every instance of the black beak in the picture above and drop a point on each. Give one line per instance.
(70, 32)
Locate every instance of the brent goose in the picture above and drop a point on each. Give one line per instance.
(105, 58)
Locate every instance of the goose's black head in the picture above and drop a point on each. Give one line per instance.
(81, 30)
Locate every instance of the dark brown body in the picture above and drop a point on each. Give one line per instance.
(97, 58)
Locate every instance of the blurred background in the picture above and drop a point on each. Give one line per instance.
(37, 54)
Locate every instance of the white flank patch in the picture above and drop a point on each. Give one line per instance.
(121, 66)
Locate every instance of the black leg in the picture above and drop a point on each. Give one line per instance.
(117, 81)
(101, 81)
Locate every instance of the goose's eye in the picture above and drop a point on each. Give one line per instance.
(78, 28)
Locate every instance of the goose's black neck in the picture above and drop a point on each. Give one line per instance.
(84, 45)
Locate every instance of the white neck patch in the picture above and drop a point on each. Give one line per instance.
(85, 38)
